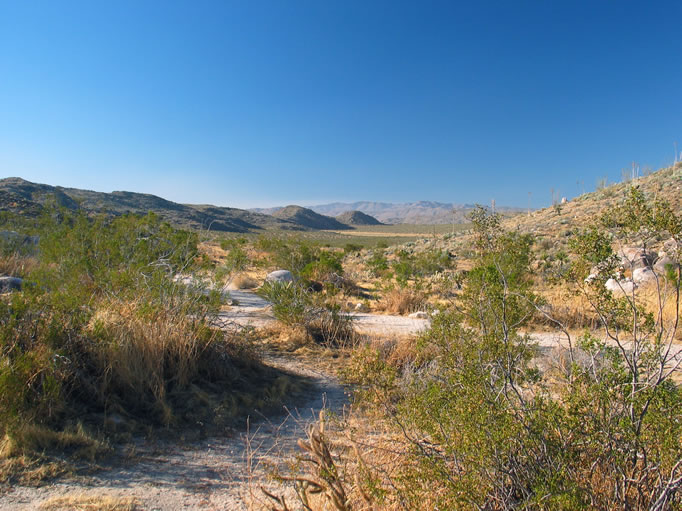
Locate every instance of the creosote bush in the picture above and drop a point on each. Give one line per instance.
(296, 305)
(480, 425)
(100, 330)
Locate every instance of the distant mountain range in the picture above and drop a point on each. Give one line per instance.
(422, 212)
(20, 196)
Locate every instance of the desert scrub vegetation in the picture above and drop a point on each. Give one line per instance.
(473, 421)
(296, 305)
(100, 338)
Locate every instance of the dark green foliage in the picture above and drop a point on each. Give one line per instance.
(378, 264)
(414, 266)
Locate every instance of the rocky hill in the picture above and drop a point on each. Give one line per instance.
(357, 218)
(308, 218)
(553, 221)
(28, 198)
(553, 225)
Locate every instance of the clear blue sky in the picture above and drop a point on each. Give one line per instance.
(257, 103)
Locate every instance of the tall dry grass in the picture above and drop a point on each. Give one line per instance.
(402, 300)
(141, 355)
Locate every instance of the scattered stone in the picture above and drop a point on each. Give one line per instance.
(419, 315)
(8, 284)
(670, 246)
(590, 277)
(280, 276)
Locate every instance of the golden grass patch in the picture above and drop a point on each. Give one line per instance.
(85, 502)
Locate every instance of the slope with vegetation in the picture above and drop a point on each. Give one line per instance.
(477, 415)
(24, 197)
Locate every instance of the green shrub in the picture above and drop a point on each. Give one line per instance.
(101, 328)
(484, 426)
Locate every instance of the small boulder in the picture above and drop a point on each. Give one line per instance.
(635, 257)
(419, 315)
(282, 276)
(662, 262)
(643, 275)
(625, 285)
(8, 284)
(670, 246)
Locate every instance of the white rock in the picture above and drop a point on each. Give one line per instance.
(642, 275)
(419, 315)
(280, 276)
(361, 307)
(591, 277)
(625, 285)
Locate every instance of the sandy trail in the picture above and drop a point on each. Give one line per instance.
(213, 474)
(252, 310)
(219, 473)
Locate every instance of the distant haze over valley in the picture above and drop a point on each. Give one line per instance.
(421, 212)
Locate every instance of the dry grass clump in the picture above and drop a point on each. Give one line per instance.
(331, 329)
(244, 281)
(17, 265)
(571, 310)
(402, 300)
(142, 356)
(86, 502)
(35, 438)
(345, 465)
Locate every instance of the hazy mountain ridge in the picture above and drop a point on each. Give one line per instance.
(357, 218)
(420, 212)
(309, 218)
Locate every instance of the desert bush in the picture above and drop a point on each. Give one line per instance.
(103, 330)
(325, 265)
(485, 428)
(410, 266)
(351, 248)
(402, 300)
(293, 255)
(289, 301)
(330, 327)
(324, 323)
(378, 264)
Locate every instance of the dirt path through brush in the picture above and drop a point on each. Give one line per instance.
(214, 474)
(252, 310)
(219, 473)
